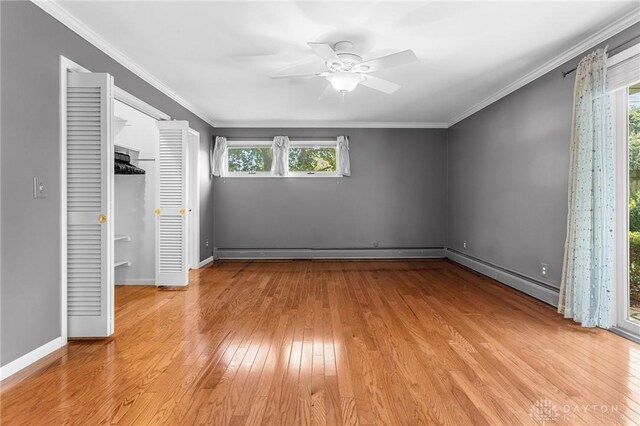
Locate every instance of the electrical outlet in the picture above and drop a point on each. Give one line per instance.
(38, 188)
(206, 242)
(544, 271)
(464, 245)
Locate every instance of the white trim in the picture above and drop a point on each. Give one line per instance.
(248, 143)
(390, 253)
(194, 197)
(331, 124)
(58, 12)
(313, 175)
(607, 32)
(26, 360)
(249, 175)
(205, 262)
(537, 289)
(268, 175)
(304, 143)
(137, 281)
(624, 55)
(135, 103)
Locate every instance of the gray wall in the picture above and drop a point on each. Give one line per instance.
(394, 198)
(31, 42)
(508, 167)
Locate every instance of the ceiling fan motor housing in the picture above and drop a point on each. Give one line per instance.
(349, 60)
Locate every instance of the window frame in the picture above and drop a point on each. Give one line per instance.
(246, 144)
(315, 143)
(293, 143)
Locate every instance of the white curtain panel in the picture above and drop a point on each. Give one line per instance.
(585, 289)
(344, 166)
(280, 148)
(218, 160)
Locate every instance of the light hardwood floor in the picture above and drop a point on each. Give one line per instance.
(329, 342)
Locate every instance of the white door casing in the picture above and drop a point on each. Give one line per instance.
(90, 290)
(171, 189)
(194, 199)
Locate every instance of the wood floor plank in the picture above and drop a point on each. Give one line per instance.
(333, 343)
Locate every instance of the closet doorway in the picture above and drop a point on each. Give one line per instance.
(132, 227)
(135, 140)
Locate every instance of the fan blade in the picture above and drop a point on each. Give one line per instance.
(380, 84)
(393, 60)
(324, 51)
(300, 69)
(275, 77)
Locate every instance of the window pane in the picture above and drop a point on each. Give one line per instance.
(312, 159)
(256, 159)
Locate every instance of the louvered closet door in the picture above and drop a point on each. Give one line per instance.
(89, 222)
(171, 189)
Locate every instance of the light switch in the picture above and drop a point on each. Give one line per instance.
(39, 188)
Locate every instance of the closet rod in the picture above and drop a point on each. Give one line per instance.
(566, 73)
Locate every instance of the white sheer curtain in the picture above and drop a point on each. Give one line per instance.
(280, 148)
(585, 289)
(344, 166)
(219, 157)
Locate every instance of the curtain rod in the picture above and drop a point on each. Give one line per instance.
(566, 73)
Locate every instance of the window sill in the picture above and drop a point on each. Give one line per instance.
(305, 176)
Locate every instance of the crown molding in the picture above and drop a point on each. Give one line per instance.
(331, 124)
(607, 32)
(59, 13)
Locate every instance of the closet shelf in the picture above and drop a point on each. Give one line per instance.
(122, 238)
(121, 263)
(119, 147)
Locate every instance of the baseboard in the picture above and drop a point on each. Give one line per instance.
(378, 253)
(33, 356)
(137, 281)
(625, 334)
(537, 289)
(205, 262)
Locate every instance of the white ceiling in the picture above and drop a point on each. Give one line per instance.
(218, 55)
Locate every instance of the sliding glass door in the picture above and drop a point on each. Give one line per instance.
(627, 131)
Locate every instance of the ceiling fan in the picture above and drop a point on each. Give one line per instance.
(346, 69)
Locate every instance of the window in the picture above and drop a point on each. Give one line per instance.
(306, 158)
(309, 158)
(249, 158)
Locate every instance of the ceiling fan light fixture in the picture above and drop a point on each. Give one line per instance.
(345, 81)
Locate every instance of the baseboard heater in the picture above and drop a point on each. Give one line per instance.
(527, 285)
(355, 253)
